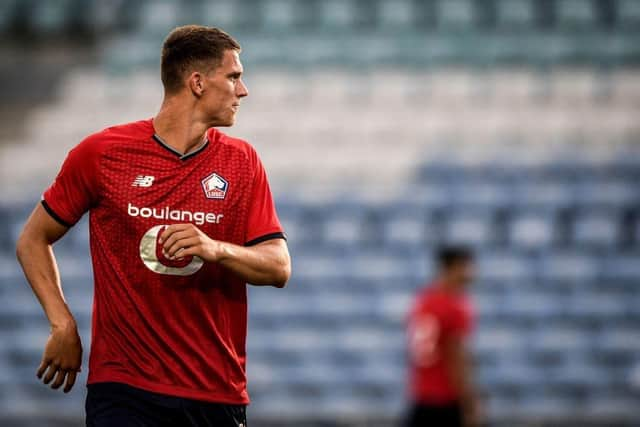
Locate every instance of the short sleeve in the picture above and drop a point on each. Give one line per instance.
(75, 189)
(262, 223)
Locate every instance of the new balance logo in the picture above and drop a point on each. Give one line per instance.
(143, 181)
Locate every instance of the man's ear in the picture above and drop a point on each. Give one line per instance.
(196, 83)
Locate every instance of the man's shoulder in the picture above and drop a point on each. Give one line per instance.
(233, 142)
(102, 139)
(132, 130)
(431, 298)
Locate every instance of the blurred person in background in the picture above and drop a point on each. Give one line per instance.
(440, 321)
(181, 218)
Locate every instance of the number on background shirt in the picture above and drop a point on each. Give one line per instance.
(153, 258)
(423, 340)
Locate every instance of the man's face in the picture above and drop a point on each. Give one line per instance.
(463, 273)
(223, 90)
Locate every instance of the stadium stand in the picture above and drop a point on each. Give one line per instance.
(511, 125)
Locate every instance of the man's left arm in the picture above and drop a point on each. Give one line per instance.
(266, 263)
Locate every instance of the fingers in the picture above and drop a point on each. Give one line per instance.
(42, 368)
(166, 234)
(176, 236)
(71, 380)
(53, 369)
(57, 375)
(177, 249)
(185, 252)
(59, 380)
(62, 359)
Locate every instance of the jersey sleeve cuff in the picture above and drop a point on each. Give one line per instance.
(54, 215)
(264, 238)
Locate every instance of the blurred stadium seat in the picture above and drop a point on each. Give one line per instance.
(387, 128)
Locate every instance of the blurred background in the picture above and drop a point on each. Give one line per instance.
(388, 127)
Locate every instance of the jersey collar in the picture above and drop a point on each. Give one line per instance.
(176, 152)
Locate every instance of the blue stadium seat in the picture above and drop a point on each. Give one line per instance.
(483, 194)
(516, 14)
(379, 266)
(340, 304)
(596, 229)
(75, 265)
(394, 305)
(606, 193)
(559, 340)
(10, 270)
(628, 14)
(583, 374)
(51, 16)
(576, 13)
(515, 376)
(396, 14)
(619, 340)
(621, 266)
(505, 266)
(407, 229)
(124, 54)
(344, 228)
(280, 15)
(7, 234)
(606, 308)
(300, 230)
(524, 305)
(329, 266)
(532, 230)
(24, 304)
(621, 405)
(545, 404)
(431, 195)
(569, 266)
(16, 220)
(469, 228)
(543, 193)
(502, 341)
(78, 237)
(338, 14)
(223, 13)
(458, 14)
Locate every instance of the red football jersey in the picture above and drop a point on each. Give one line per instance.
(172, 327)
(437, 316)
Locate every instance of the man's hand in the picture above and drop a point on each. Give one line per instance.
(182, 240)
(472, 412)
(265, 263)
(62, 357)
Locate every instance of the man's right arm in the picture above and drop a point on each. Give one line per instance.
(63, 352)
(460, 371)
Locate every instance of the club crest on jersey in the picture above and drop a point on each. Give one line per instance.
(215, 186)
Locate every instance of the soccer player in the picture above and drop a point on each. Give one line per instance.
(181, 217)
(439, 323)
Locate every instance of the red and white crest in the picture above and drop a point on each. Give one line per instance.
(215, 186)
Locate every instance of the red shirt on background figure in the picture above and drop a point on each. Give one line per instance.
(439, 324)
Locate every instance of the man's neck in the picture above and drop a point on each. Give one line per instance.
(177, 125)
(445, 284)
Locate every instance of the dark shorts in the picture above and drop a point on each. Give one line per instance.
(120, 405)
(435, 416)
